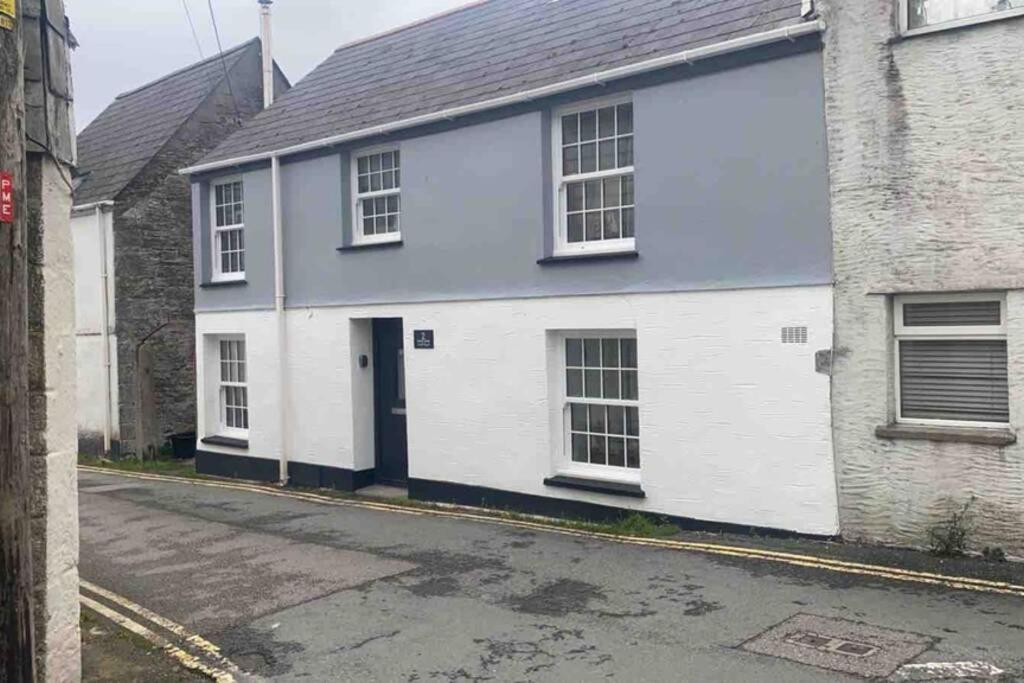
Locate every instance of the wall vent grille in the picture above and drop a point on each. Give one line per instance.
(794, 335)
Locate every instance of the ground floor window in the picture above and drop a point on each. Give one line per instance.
(602, 410)
(951, 362)
(234, 392)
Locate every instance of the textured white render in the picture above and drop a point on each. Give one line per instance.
(926, 141)
(56, 505)
(92, 396)
(735, 425)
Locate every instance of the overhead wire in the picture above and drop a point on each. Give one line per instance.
(223, 62)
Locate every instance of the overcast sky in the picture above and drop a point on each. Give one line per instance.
(123, 45)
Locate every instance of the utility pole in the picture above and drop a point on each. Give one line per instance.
(17, 660)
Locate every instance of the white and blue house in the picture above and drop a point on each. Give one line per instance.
(566, 257)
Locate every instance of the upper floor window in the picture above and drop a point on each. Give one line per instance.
(594, 177)
(228, 230)
(924, 15)
(951, 359)
(378, 208)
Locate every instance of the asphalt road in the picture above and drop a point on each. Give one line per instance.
(292, 590)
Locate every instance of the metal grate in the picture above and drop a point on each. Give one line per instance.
(826, 643)
(794, 335)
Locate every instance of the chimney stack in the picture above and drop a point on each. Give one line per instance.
(267, 53)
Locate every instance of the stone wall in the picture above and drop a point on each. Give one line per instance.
(926, 138)
(53, 439)
(154, 284)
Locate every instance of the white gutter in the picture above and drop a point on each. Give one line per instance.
(282, 329)
(599, 78)
(83, 208)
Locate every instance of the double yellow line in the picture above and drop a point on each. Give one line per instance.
(188, 649)
(476, 515)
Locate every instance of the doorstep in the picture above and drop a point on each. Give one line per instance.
(384, 491)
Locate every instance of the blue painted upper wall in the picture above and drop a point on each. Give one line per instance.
(731, 191)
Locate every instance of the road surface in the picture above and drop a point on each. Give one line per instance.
(293, 590)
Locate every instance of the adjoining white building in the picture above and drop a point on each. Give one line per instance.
(926, 140)
(562, 257)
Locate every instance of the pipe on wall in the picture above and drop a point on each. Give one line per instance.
(279, 313)
(108, 398)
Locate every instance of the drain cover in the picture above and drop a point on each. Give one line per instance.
(839, 645)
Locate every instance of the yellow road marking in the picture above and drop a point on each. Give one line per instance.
(193, 639)
(459, 512)
(184, 658)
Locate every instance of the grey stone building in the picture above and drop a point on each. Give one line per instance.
(133, 248)
(925, 115)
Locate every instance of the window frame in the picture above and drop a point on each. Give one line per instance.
(216, 274)
(561, 244)
(904, 20)
(355, 206)
(565, 464)
(902, 332)
(222, 426)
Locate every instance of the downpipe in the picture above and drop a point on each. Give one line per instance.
(279, 314)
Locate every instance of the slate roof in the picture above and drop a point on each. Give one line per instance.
(115, 147)
(487, 50)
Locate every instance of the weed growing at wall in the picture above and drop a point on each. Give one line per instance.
(950, 537)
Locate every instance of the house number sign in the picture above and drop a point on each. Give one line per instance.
(423, 339)
(6, 197)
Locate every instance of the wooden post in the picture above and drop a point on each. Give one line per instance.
(17, 660)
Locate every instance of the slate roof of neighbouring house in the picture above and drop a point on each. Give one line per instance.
(487, 50)
(115, 147)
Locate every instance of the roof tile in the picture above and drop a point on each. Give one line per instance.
(487, 50)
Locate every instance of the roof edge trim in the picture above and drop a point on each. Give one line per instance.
(597, 78)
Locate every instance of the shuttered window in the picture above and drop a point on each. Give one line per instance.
(952, 360)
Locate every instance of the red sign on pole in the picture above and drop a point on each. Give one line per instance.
(6, 197)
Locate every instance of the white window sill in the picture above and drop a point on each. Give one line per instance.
(961, 23)
(227, 279)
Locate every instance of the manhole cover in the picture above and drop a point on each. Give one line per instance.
(839, 645)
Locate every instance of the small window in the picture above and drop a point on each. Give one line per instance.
(234, 391)
(951, 359)
(377, 180)
(228, 231)
(594, 178)
(601, 409)
(930, 15)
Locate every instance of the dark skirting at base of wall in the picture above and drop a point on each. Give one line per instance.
(324, 477)
(478, 496)
(299, 473)
(236, 466)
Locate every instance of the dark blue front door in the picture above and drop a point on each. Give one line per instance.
(389, 390)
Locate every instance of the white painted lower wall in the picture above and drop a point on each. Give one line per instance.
(734, 425)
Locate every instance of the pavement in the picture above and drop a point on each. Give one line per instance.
(292, 589)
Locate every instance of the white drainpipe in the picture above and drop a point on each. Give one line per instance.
(279, 313)
(108, 399)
